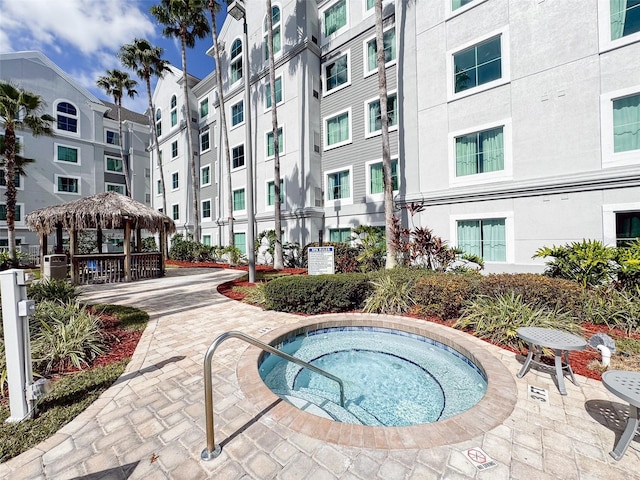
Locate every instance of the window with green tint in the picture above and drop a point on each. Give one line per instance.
(477, 65)
(240, 242)
(206, 209)
(175, 180)
(3, 212)
(338, 129)
(235, 66)
(335, 17)
(336, 73)
(67, 154)
(480, 152)
(370, 4)
(278, 92)
(271, 193)
(275, 24)
(340, 235)
(67, 185)
(626, 123)
(175, 211)
(206, 240)
(237, 156)
(270, 144)
(627, 228)
(3, 179)
(456, 4)
(237, 113)
(374, 123)
(485, 238)
(174, 111)
(377, 177)
(204, 108)
(338, 185)
(115, 188)
(159, 187)
(158, 123)
(238, 200)
(204, 142)
(115, 165)
(174, 149)
(625, 18)
(205, 175)
(389, 42)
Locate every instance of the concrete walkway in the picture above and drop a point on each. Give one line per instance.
(150, 424)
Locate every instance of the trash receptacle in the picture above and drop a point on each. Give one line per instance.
(55, 267)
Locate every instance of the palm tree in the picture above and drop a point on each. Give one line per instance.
(213, 8)
(278, 262)
(116, 83)
(185, 19)
(19, 109)
(386, 152)
(146, 61)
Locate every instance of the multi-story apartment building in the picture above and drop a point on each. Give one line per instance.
(511, 128)
(82, 157)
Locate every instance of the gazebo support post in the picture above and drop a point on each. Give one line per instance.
(163, 248)
(138, 240)
(73, 250)
(43, 252)
(59, 247)
(127, 250)
(99, 238)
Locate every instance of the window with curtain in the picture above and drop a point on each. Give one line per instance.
(338, 185)
(175, 180)
(335, 17)
(480, 152)
(67, 154)
(237, 156)
(336, 73)
(278, 92)
(237, 114)
(174, 111)
(205, 175)
(374, 123)
(626, 123)
(485, 238)
(175, 210)
(158, 123)
(340, 235)
(389, 42)
(238, 200)
(625, 18)
(204, 142)
(376, 177)
(67, 117)
(204, 108)
(270, 144)
(112, 187)
(240, 242)
(206, 209)
(113, 138)
(271, 193)
(456, 4)
(338, 129)
(275, 23)
(3, 212)
(115, 165)
(627, 228)
(67, 185)
(235, 65)
(174, 149)
(477, 65)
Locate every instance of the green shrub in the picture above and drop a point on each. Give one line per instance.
(444, 294)
(149, 244)
(615, 308)
(317, 293)
(255, 295)
(390, 295)
(498, 318)
(52, 290)
(628, 259)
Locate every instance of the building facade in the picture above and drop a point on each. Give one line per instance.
(82, 157)
(510, 128)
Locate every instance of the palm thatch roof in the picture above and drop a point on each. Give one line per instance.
(108, 210)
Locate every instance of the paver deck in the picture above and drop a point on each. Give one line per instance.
(150, 423)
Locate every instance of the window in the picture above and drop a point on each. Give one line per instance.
(66, 117)
(334, 18)
(67, 154)
(376, 177)
(206, 209)
(158, 123)
(175, 211)
(238, 200)
(237, 114)
(205, 175)
(174, 111)
(159, 187)
(271, 152)
(235, 66)
(175, 180)
(485, 238)
(626, 123)
(240, 242)
(389, 42)
(337, 130)
(114, 165)
(278, 92)
(174, 149)
(204, 108)
(336, 73)
(339, 185)
(369, 4)
(374, 115)
(113, 138)
(478, 64)
(620, 120)
(17, 214)
(456, 4)
(480, 152)
(277, 40)
(340, 235)
(147, 173)
(204, 142)
(115, 187)
(625, 18)
(206, 240)
(3, 179)
(271, 193)
(627, 228)
(237, 156)
(67, 184)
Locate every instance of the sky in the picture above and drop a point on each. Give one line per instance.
(83, 37)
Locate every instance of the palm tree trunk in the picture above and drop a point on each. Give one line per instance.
(278, 262)
(11, 192)
(223, 121)
(125, 163)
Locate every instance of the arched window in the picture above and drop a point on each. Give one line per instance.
(158, 123)
(236, 61)
(277, 45)
(66, 117)
(174, 111)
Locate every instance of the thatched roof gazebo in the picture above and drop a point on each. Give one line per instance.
(109, 210)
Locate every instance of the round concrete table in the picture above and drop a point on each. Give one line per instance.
(625, 385)
(560, 342)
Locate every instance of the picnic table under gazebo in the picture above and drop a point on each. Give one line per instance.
(104, 211)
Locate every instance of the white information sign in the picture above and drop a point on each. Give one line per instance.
(320, 261)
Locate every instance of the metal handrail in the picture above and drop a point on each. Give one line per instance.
(213, 450)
